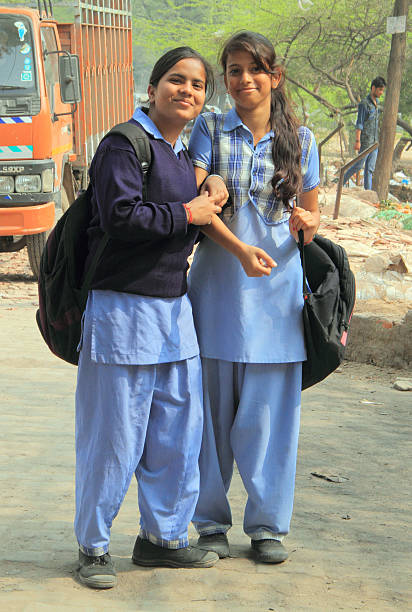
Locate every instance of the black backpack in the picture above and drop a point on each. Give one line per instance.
(328, 306)
(62, 294)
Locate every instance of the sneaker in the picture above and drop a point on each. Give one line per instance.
(97, 572)
(216, 542)
(269, 551)
(148, 554)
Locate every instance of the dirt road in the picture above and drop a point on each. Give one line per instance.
(350, 543)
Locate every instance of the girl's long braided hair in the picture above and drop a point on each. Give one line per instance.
(286, 149)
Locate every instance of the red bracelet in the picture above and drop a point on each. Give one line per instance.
(189, 213)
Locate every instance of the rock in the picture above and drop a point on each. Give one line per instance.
(403, 384)
(368, 195)
(349, 206)
(377, 263)
(398, 264)
(355, 248)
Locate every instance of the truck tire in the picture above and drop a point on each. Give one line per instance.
(35, 244)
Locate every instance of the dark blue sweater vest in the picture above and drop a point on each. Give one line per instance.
(149, 241)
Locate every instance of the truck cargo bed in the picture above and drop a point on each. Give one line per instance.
(102, 38)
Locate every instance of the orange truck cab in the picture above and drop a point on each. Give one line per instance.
(62, 87)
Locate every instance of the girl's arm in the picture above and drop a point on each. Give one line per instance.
(118, 192)
(255, 261)
(305, 216)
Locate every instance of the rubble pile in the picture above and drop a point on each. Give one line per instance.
(379, 251)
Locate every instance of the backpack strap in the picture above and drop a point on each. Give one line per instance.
(140, 142)
(303, 261)
(92, 268)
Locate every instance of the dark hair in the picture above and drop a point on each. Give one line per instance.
(170, 58)
(378, 82)
(286, 149)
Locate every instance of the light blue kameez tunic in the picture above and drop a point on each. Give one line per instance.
(254, 320)
(250, 334)
(138, 411)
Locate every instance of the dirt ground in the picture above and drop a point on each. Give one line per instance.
(350, 543)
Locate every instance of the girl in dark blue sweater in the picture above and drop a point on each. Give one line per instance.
(139, 389)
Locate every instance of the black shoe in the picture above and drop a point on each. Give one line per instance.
(216, 542)
(148, 554)
(97, 572)
(269, 551)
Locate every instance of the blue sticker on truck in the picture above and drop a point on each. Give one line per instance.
(15, 120)
(21, 152)
(21, 29)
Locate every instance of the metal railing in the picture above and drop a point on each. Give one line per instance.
(342, 172)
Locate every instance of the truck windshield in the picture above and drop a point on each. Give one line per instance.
(17, 70)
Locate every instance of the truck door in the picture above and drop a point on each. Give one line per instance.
(61, 125)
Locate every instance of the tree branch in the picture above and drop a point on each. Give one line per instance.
(334, 110)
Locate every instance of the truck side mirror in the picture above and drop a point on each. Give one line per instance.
(69, 77)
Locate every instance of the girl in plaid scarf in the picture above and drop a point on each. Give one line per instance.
(249, 325)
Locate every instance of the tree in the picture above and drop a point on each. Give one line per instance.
(390, 112)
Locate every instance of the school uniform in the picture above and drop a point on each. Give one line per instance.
(250, 333)
(139, 389)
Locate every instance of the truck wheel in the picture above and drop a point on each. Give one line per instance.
(35, 244)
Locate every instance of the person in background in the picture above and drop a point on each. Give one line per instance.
(367, 133)
(250, 327)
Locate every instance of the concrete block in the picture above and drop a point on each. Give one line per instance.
(377, 263)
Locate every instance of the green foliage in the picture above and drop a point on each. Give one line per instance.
(388, 211)
(334, 48)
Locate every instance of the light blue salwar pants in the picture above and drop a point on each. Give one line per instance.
(144, 420)
(252, 414)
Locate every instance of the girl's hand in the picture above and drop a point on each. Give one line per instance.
(302, 219)
(255, 261)
(215, 186)
(202, 208)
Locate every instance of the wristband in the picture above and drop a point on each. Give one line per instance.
(188, 213)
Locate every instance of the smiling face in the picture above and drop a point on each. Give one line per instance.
(179, 95)
(248, 84)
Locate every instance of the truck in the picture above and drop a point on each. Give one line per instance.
(62, 87)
